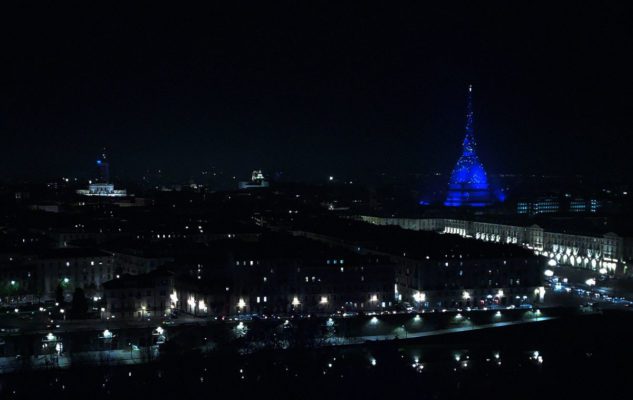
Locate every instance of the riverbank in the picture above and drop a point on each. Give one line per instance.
(579, 355)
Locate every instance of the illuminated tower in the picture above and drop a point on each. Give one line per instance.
(468, 185)
(103, 169)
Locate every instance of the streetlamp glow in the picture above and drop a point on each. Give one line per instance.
(173, 297)
(419, 297)
(241, 303)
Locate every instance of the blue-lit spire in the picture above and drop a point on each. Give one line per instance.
(469, 140)
(468, 185)
(103, 168)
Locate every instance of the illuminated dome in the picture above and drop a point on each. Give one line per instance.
(468, 185)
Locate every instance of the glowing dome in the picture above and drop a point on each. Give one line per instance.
(468, 185)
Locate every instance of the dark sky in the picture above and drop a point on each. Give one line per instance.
(329, 89)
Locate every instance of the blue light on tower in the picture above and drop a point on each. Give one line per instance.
(468, 185)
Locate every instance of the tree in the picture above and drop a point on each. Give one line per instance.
(80, 304)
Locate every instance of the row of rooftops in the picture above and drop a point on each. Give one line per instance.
(280, 246)
(227, 251)
(413, 244)
(141, 281)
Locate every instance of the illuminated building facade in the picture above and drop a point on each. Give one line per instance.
(608, 253)
(257, 181)
(541, 206)
(102, 186)
(456, 281)
(139, 296)
(468, 185)
(555, 205)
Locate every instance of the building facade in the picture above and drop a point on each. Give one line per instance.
(140, 296)
(605, 253)
(73, 268)
(102, 187)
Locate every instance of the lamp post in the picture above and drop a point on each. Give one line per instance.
(107, 337)
(52, 346)
(159, 332)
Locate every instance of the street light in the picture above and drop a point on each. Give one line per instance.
(419, 298)
(107, 337)
(405, 331)
(51, 344)
(159, 332)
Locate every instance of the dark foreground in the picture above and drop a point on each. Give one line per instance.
(576, 357)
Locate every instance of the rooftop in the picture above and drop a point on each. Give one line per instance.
(413, 244)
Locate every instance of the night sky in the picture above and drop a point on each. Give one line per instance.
(349, 90)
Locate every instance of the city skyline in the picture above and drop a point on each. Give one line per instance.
(315, 200)
(304, 90)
